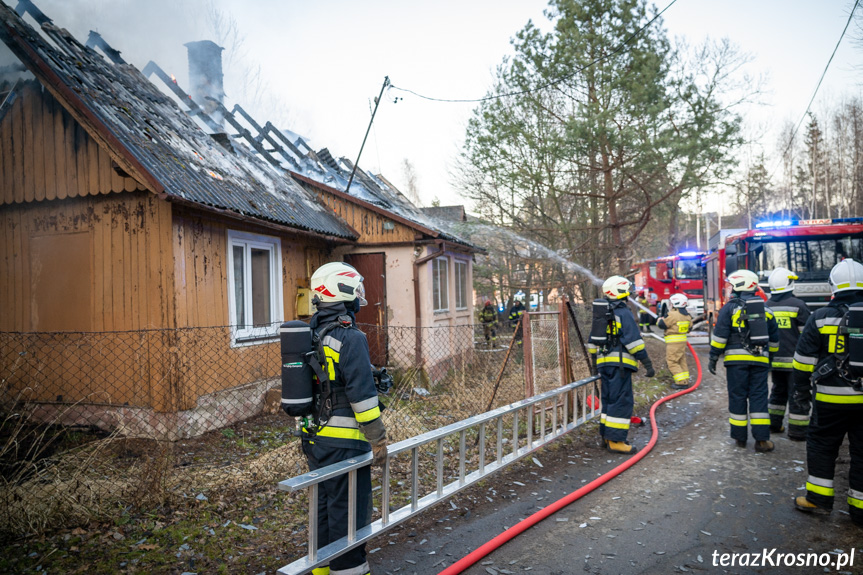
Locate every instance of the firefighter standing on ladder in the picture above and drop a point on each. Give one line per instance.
(616, 366)
(791, 314)
(746, 364)
(353, 425)
(829, 357)
(677, 324)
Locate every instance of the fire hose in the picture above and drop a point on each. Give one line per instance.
(517, 529)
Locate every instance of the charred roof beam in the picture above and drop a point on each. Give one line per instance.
(263, 135)
(95, 40)
(245, 134)
(194, 109)
(27, 7)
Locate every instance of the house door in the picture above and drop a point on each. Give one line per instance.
(373, 269)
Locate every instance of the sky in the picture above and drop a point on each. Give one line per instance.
(315, 67)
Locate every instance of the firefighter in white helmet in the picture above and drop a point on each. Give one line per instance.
(829, 358)
(677, 323)
(616, 365)
(746, 334)
(791, 314)
(353, 425)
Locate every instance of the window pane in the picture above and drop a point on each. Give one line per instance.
(460, 285)
(261, 287)
(435, 284)
(444, 284)
(239, 287)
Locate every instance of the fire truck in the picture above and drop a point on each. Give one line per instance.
(809, 248)
(669, 275)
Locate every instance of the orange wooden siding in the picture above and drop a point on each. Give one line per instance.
(46, 155)
(368, 223)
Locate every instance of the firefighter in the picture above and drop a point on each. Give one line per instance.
(828, 360)
(746, 361)
(791, 314)
(677, 324)
(354, 425)
(617, 366)
(515, 314)
(488, 318)
(643, 316)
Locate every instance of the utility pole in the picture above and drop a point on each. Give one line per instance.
(375, 111)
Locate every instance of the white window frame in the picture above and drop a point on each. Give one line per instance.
(440, 305)
(255, 335)
(461, 291)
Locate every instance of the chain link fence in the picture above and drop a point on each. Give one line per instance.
(93, 422)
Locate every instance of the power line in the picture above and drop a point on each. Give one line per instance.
(614, 52)
(817, 87)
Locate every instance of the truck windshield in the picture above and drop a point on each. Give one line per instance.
(687, 270)
(812, 259)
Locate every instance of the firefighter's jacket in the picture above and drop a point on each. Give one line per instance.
(488, 315)
(349, 366)
(515, 313)
(629, 347)
(676, 324)
(729, 331)
(818, 345)
(791, 314)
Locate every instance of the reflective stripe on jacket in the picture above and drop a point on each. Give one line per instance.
(819, 341)
(728, 338)
(791, 314)
(676, 325)
(630, 348)
(348, 364)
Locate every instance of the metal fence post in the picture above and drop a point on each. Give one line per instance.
(528, 356)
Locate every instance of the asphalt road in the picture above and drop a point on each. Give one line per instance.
(694, 498)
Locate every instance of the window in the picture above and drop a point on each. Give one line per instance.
(461, 287)
(440, 284)
(254, 286)
(688, 269)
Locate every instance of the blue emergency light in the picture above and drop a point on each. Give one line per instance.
(689, 254)
(790, 223)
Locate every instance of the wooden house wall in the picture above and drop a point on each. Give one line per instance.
(368, 223)
(45, 154)
(207, 361)
(85, 272)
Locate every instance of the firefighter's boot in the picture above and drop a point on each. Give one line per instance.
(807, 506)
(764, 445)
(621, 447)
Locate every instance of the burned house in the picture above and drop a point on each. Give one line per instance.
(164, 256)
(151, 243)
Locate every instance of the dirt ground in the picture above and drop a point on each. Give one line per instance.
(695, 497)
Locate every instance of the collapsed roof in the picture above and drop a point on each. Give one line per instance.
(150, 137)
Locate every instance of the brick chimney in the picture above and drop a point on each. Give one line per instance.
(206, 78)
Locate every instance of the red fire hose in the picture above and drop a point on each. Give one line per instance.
(462, 564)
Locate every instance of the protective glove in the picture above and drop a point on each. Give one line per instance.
(376, 434)
(648, 367)
(711, 364)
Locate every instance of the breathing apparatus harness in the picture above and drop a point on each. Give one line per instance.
(603, 328)
(840, 363)
(312, 381)
(752, 324)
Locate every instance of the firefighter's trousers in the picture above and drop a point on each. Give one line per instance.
(747, 401)
(617, 402)
(675, 357)
(333, 504)
(827, 429)
(489, 332)
(776, 405)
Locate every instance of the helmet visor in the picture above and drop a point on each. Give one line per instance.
(361, 294)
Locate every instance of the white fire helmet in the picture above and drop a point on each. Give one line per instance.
(338, 281)
(678, 300)
(780, 280)
(616, 287)
(743, 281)
(846, 275)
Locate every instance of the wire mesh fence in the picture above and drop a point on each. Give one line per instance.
(93, 421)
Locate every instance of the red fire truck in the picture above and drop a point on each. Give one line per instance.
(669, 275)
(809, 248)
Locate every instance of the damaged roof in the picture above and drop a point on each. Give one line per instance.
(153, 139)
